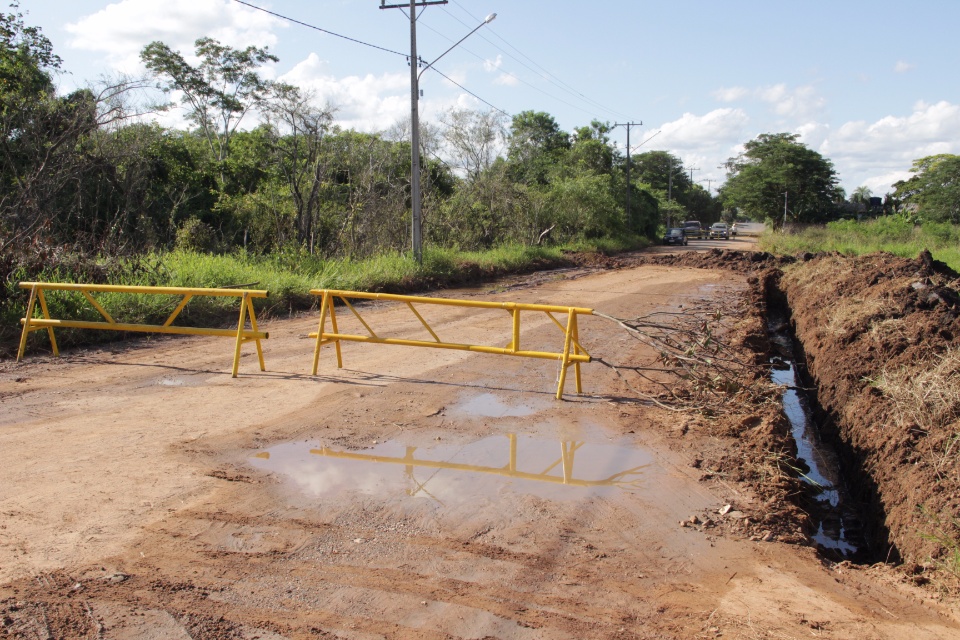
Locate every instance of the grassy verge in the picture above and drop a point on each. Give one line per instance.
(889, 234)
(287, 275)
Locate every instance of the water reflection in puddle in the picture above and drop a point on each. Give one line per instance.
(557, 470)
(488, 405)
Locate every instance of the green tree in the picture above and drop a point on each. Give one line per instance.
(775, 171)
(933, 192)
(218, 92)
(535, 145)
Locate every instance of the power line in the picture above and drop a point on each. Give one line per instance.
(543, 72)
(366, 44)
(316, 28)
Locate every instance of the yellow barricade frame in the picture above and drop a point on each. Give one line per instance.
(573, 353)
(241, 333)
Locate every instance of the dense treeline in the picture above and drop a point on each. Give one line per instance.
(89, 171)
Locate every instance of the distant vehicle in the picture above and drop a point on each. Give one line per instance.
(675, 236)
(692, 229)
(719, 230)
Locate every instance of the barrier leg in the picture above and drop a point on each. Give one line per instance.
(46, 314)
(26, 322)
(565, 361)
(333, 325)
(576, 350)
(325, 302)
(243, 321)
(253, 325)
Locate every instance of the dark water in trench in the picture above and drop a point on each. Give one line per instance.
(839, 531)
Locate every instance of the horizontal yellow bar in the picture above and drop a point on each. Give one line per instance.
(144, 328)
(451, 302)
(173, 291)
(545, 355)
(502, 471)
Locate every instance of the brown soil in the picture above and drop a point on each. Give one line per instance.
(137, 501)
(864, 322)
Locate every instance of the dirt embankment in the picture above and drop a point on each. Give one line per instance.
(880, 335)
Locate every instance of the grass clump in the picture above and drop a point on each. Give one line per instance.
(288, 274)
(891, 234)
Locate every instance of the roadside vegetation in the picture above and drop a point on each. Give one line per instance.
(893, 234)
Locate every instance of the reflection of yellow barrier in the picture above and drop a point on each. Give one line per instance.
(626, 478)
(573, 353)
(241, 333)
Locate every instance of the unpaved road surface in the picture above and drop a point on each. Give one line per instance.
(144, 493)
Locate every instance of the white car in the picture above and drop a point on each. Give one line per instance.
(719, 230)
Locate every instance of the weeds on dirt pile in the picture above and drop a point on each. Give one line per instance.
(890, 234)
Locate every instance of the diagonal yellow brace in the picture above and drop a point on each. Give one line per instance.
(96, 305)
(31, 302)
(240, 327)
(176, 312)
(46, 315)
(423, 322)
(359, 317)
(562, 328)
(253, 325)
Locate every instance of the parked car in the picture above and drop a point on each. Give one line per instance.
(675, 236)
(692, 229)
(719, 230)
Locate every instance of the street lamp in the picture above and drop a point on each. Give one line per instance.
(415, 230)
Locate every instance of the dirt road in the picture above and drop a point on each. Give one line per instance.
(144, 493)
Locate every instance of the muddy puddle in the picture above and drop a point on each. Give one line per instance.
(444, 473)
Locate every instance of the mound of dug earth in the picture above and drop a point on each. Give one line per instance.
(882, 341)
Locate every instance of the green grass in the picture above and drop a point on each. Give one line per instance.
(288, 276)
(890, 234)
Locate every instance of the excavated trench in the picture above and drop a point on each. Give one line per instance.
(836, 517)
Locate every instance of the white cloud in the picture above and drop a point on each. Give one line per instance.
(506, 80)
(730, 94)
(902, 67)
(718, 127)
(799, 102)
(880, 153)
(120, 30)
(493, 65)
(367, 103)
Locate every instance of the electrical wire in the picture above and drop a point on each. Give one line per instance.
(316, 28)
(367, 44)
(543, 72)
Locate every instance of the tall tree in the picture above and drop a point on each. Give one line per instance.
(934, 190)
(775, 172)
(218, 92)
(475, 138)
(297, 130)
(535, 144)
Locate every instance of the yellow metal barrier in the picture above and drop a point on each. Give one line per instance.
(241, 333)
(573, 353)
(626, 478)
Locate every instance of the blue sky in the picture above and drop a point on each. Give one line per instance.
(872, 85)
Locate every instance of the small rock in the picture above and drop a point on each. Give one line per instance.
(693, 520)
(725, 509)
(767, 536)
(736, 514)
(358, 540)
(684, 523)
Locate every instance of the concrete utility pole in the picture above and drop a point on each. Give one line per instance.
(628, 125)
(416, 235)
